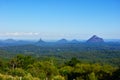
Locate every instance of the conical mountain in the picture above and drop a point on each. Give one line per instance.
(95, 39)
(62, 41)
(41, 41)
(74, 41)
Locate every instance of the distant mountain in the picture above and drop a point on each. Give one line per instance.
(9, 41)
(62, 41)
(74, 41)
(95, 39)
(12, 42)
(41, 41)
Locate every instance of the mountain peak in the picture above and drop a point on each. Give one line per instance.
(41, 41)
(74, 41)
(95, 39)
(62, 41)
(95, 36)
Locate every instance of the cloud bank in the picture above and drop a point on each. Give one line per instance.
(17, 34)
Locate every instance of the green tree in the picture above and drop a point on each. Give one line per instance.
(43, 69)
(72, 62)
(65, 71)
(116, 74)
(18, 72)
(92, 76)
(21, 61)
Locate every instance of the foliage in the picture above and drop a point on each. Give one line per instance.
(58, 77)
(17, 72)
(92, 76)
(30, 68)
(103, 53)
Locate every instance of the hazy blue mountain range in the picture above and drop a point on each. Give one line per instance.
(93, 39)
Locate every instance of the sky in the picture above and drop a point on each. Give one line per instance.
(55, 19)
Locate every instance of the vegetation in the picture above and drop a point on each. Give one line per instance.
(104, 53)
(65, 61)
(23, 67)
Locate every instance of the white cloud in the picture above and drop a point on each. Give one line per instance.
(17, 34)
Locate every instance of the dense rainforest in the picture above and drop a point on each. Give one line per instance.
(60, 61)
(23, 67)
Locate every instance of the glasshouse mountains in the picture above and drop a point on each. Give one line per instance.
(92, 59)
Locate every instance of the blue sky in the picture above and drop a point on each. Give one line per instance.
(55, 19)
